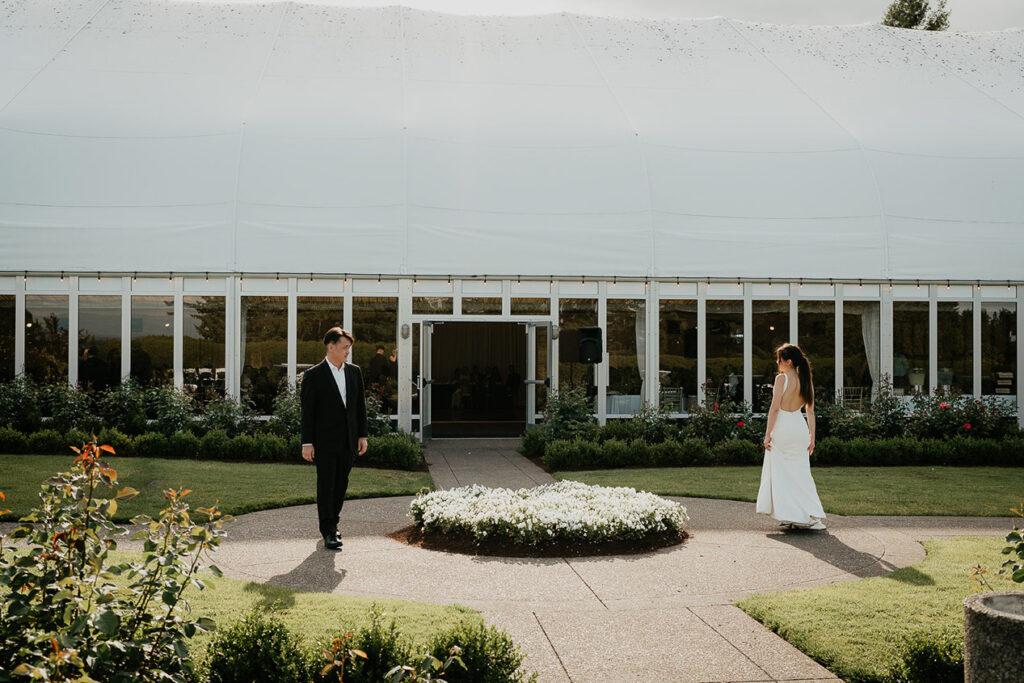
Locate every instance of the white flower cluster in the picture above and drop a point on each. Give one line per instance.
(565, 511)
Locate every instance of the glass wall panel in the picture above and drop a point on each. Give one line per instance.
(910, 347)
(816, 330)
(956, 346)
(7, 322)
(999, 349)
(264, 338)
(152, 359)
(771, 330)
(203, 346)
(481, 306)
(861, 351)
(574, 314)
(314, 316)
(99, 341)
(375, 326)
(677, 343)
(46, 338)
(541, 390)
(627, 351)
(725, 351)
(531, 306)
(429, 305)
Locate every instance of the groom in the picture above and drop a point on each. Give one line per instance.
(333, 427)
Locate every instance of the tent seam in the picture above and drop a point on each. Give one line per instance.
(59, 51)
(405, 144)
(636, 141)
(953, 73)
(287, 7)
(860, 145)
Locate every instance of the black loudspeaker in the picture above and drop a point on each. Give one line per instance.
(590, 344)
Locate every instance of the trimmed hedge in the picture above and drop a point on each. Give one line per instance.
(391, 451)
(582, 455)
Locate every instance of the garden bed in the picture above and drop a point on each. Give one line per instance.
(465, 544)
(565, 518)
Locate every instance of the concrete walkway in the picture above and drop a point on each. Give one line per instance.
(662, 616)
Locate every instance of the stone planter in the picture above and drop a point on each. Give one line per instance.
(993, 632)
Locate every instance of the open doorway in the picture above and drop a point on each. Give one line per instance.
(477, 379)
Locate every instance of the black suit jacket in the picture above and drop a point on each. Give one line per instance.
(333, 428)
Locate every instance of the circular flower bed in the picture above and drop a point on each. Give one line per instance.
(563, 518)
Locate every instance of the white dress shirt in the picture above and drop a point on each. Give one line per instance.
(339, 378)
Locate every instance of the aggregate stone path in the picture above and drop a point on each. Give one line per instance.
(667, 615)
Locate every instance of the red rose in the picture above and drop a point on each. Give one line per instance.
(740, 423)
(943, 405)
(716, 406)
(967, 425)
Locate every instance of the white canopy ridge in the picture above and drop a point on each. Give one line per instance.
(138, 135)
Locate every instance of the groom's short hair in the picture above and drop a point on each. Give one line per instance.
(335, 334)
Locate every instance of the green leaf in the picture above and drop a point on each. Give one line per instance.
(206, 623)
(215, 570)
(169, 597)
(1018, 576)
(112, 508)
(108, 623)
(79, 624)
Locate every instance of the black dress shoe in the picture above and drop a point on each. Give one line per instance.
(332, 542)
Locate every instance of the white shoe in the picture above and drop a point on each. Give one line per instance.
(817, 526)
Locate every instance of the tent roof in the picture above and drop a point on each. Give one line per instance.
(138, 135)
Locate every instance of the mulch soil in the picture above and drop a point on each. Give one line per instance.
(465, 544)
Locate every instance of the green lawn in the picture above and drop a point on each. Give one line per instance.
(240, 487)
(853, 628)
(966, 491)
(317, 616)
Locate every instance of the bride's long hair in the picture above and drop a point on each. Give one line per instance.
(792, 352)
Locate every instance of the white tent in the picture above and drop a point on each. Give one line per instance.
(138, 135)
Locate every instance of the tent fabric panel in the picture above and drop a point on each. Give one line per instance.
(771, 186)
(444, 241)
(792, 248)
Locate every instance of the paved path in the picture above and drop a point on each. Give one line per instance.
(662, 616)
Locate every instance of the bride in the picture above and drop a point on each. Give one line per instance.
(787, 490)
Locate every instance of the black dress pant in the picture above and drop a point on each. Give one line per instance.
(331, 484)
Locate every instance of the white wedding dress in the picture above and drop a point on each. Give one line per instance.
(787, 490)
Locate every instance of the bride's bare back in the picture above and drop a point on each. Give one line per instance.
(791, 400)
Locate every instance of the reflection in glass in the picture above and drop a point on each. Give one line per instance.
(816, 329)
(7, 322)
(46, 338)
(481, 306)
(541, 347)
(531, 306)
(910, 347)
(99, 341)
(203, 346)
(771, 330)
(999, 349)
(432, 305)
(861, 351)
(677, 341)
(956, 347)
(264, 338)
(627, 351)
(314, 316)
(152, 358)
(375, 326)
(574, 314)
(725, 351)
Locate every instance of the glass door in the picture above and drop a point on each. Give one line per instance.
(424, 381)
(538, 369)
